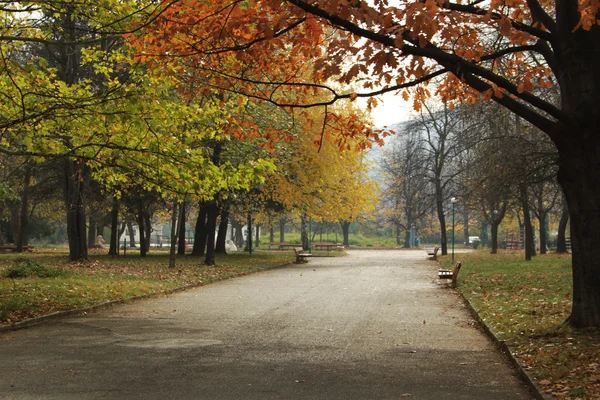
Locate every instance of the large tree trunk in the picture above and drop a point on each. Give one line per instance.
(304, 232)
(200, 232)
(131, 234)
(494, 229)
(91, 237)
(74, 198)
(211, 227)
(406, 239)
(23, 232)
(346, 232)
(581, 185)
(561, 240)
(282, 223)
(114, 228)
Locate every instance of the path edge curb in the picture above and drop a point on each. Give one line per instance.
(31, 322)
(501, 344)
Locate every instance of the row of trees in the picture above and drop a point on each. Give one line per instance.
(116, 139)
(267, 49)
(484, 157)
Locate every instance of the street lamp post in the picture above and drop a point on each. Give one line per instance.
(453, 200)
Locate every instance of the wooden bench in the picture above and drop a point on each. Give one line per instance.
(301, 256)
(450, 274)
(432, 252)
(13, 248)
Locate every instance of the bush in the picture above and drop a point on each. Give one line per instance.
(26, 268)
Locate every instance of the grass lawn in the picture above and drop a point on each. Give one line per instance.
(53, 284)
(525, 304)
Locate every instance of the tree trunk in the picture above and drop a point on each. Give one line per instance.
(397, 229)
(543, 218)
(282, 223)
(529, 244)
(466, 225)
(406, 239)
(581, 186)
(304, 231)
(257, 241)
(222, 236)
(271, 234)
(494, 229)
(131, 234)
(114, 228)
(23, 232)
(181, 229)
(200, 231)
(172, 249)
(141, 228)
(91, 239)
(346, 232)
(561, 240)
(442, 219)
(148, 228)
(211, 227)
(74, 198)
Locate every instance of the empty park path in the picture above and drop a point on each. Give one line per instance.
(372, 325)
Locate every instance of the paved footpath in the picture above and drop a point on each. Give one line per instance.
(373, 325)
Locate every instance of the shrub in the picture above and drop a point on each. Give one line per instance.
(27, 268)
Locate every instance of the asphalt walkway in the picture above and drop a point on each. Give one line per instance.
(373, 325)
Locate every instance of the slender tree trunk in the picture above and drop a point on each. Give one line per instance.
(442, 219)
(257, 241)
(142, 228)
(148, 227)
(561, 240)
(23, 232)
(200, 231)
(466, 224)
(222, 236)
(74, 198)
(211, 227)
(114, 228)
(172, 249)
(181, 229)
(271, 234)
(543, 239)
(397, 230)
(406, 239)
(529, 244)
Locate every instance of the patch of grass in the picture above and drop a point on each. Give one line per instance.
(526, 304)
(105, 278)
